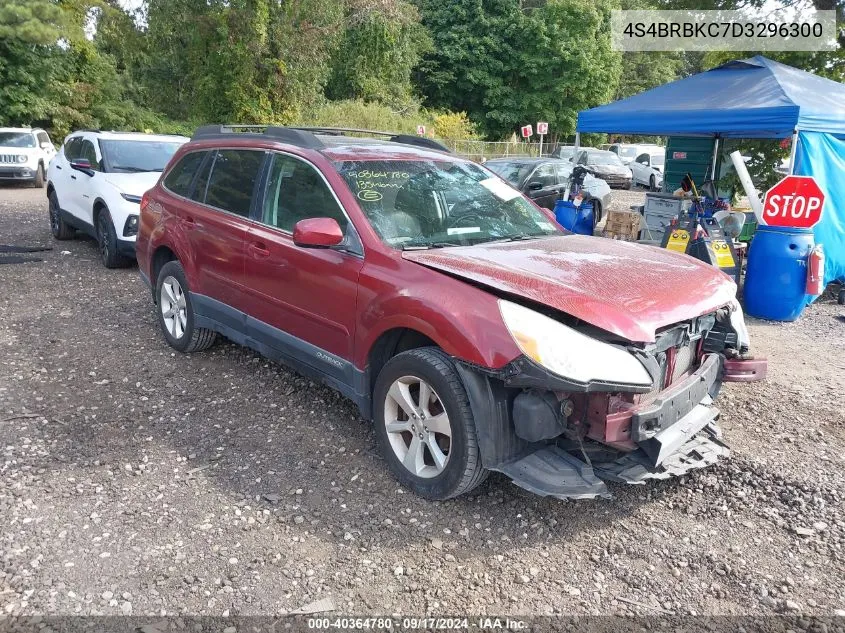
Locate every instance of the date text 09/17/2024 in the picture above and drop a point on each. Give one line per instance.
(417, 623)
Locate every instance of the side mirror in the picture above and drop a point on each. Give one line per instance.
(535, 186)
(83, 165)
(317, 233)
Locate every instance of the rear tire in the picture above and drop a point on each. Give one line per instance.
(107, 242)
(652, 184)
(175, 312)
(60, 229)
(439, 425)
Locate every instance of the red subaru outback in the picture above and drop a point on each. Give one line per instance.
(473, 331)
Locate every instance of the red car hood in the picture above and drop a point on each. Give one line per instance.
(627, 289)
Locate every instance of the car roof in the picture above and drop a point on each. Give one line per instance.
(336, 144)
(526, 159)
(594, 150)
(131, 136)
(21, 129)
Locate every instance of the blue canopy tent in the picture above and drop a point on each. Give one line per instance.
(751, 98)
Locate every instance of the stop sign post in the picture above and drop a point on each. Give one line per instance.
(795, 202)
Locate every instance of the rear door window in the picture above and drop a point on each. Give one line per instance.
(181, 177)
(232, 181)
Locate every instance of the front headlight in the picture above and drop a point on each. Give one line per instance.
(567, 352)
(130, 198)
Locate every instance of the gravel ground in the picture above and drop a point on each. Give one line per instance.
(137, 480)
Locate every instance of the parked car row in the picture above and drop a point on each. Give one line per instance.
(475, 333)
(25, 154)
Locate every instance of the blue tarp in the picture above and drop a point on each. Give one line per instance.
(751, 98)
(823, 156)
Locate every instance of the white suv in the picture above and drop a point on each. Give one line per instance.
(24, 154)
(96, 182)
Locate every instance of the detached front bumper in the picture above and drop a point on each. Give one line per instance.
(671, 434)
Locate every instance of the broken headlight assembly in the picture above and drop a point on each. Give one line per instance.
(569, 353)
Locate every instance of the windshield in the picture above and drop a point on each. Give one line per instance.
(603, 158)
(657, 160)
(17, 139)
(428, 203)
(514, 173)
(137, 156)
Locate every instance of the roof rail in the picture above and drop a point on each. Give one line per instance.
(405, 139)
(306, 136)
(294, 136)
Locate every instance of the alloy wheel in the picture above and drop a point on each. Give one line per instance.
(418, 427)
(173, 307)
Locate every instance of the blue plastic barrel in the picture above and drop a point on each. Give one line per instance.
(576, 219)
(776, 274)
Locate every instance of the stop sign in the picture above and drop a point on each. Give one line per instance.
(796, 201)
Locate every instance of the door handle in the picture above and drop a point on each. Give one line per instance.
(59, 167)
(189, 221)
(259, 250)
(73, 177)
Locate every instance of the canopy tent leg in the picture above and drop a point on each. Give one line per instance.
(713, 175)
(577, 143)
(792, 152)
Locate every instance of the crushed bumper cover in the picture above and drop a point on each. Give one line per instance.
(552, 472)
(674, 433)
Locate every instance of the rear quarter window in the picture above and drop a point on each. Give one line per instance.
(180, 178)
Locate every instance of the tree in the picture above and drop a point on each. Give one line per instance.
(378, 50)
(505, 66)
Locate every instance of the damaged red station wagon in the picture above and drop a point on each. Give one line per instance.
(473, 331)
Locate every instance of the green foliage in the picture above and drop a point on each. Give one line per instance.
(377, 52)
(31, 21)
(359, 114)
(644, 71)
(453, 126)
(505, 66)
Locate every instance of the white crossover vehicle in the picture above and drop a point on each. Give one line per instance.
(24, 154)
(647, 168)
(95, 185)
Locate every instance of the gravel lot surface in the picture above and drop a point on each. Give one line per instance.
(134, 480)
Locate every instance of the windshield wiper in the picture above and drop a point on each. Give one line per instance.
(133, 169)
(422, 247)
(519, 237)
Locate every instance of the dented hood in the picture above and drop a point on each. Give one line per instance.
(630, 290)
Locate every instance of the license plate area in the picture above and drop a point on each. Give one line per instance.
(677, 401)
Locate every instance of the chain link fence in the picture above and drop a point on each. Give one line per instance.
(482, 150)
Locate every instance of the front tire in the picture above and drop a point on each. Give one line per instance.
(652, 184)
(176, 312)
(60, 229)
(107, 242)
(424, 425)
